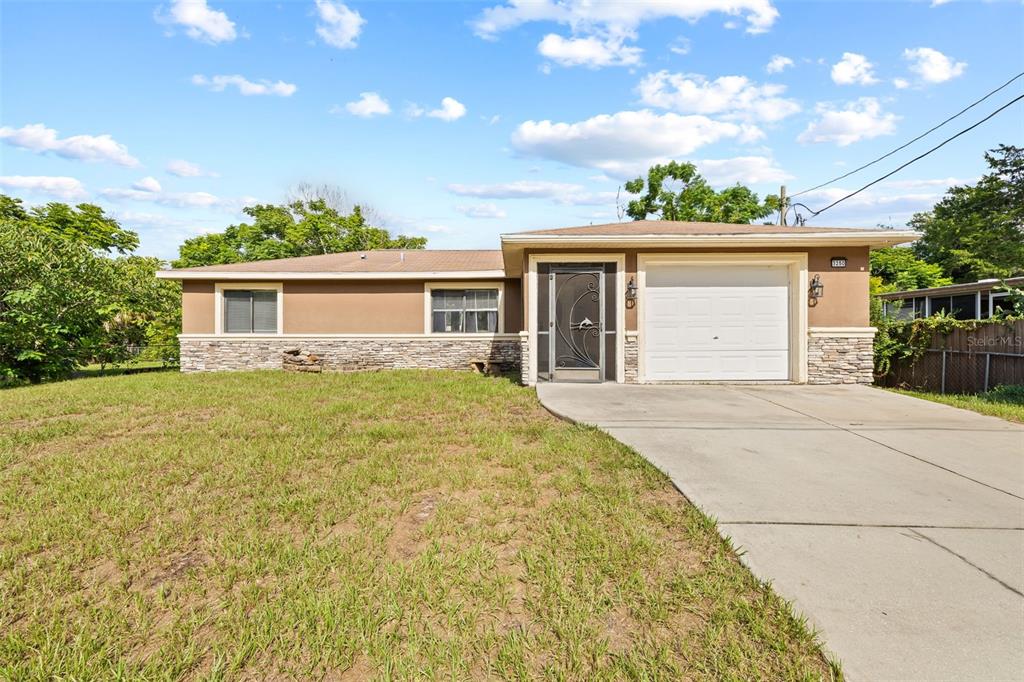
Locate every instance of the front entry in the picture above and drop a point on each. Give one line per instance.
(576, 325)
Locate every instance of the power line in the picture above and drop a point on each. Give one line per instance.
(901, 147)
(916, 158)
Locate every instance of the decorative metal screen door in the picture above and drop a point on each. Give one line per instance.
(577, 347)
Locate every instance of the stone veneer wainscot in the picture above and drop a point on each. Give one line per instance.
(211, 353)
(840, 357)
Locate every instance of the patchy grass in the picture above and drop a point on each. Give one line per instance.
(1006, 402)
(394, 525)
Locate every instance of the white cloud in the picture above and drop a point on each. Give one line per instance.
(38, 138)
(616, 19)
(186, 169)
(591, 52)
(853, 69)
(680, 46)
(890, 202)
(177, 199)
(519, 189)
(900, 83)
(368, 105)
(245, 86)
(451, 109)
(932, 66)
(565, 193)
(62, 187)
(488, 210)
(627, 142)
(862, 119)
(413, 110)
(746, 170)
(340, 26)
(147, 184)
(200, 22)
(733, 96)
(434, 229)
(778, 64)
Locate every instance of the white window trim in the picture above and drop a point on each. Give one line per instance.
(428, 287)
(992, 296)
(620, 303)
(795, 262)
(218, 306)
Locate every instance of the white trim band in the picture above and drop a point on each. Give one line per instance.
(314, 337)
(845, 332)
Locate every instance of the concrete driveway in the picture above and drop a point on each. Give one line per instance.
(895, 524)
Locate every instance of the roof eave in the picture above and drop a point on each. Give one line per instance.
(232, 275)
(851, 238)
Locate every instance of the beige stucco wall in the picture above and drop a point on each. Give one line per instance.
(341, 307)
(197, 305)
(353, 307)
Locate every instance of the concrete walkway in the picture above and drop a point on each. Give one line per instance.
(895, 524)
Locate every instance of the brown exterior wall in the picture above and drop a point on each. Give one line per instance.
(353, 307)
(341, 307)
(844, 304)
(197, 307)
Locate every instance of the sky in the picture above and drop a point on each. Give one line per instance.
(463, 121)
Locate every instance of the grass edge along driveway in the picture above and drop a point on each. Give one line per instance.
(396, 524)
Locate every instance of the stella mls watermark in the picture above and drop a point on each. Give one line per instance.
(1005, 344)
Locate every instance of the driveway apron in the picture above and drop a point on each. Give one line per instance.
(896, 525)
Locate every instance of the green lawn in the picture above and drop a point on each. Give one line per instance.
(396, 525)
(1006, 402)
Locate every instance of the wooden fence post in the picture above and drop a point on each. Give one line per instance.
(988, 366)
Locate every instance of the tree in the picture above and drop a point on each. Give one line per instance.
(976, 232)
(898, 269)
(64, 302)
(300, 228)
(694, 200)
(85, 224)
(55, 296)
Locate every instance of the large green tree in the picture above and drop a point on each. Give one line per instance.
(304, 227)
(977, 231)
(65, 302)
(676, 191)
(898, 269)
(85, 224)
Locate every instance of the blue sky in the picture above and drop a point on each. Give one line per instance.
(461, 121)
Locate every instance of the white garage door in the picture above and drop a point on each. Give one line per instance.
(716, 322)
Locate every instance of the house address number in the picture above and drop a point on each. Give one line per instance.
(839, 262)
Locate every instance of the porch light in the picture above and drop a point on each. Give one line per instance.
(631, 291)
(817, 288)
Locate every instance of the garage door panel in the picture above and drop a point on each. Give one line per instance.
(716, 323)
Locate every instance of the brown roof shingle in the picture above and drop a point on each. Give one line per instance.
(370, 261)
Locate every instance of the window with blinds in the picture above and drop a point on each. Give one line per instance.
(464, 311)
(250, 311)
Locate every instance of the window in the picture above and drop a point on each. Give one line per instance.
(964, 307)
(940, 303)
(468, 311)
(1000, 302)
(250, 311)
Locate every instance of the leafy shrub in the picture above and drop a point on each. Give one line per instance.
(1007, 393)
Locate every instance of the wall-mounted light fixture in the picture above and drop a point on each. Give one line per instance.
(817, 289)
(631, 293)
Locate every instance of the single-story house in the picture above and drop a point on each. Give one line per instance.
(644, 301)
(970, 301)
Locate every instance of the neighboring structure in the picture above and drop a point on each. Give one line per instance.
(645, 301)
(972, 301)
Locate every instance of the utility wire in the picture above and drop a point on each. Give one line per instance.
(916, 158)
(925, 133)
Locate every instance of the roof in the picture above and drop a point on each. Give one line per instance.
(394, 262)
(638, 228)
(950, 289)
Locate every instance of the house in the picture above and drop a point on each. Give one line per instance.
(645, 301)
(971, 301)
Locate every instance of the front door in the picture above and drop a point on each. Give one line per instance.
(575, 329)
